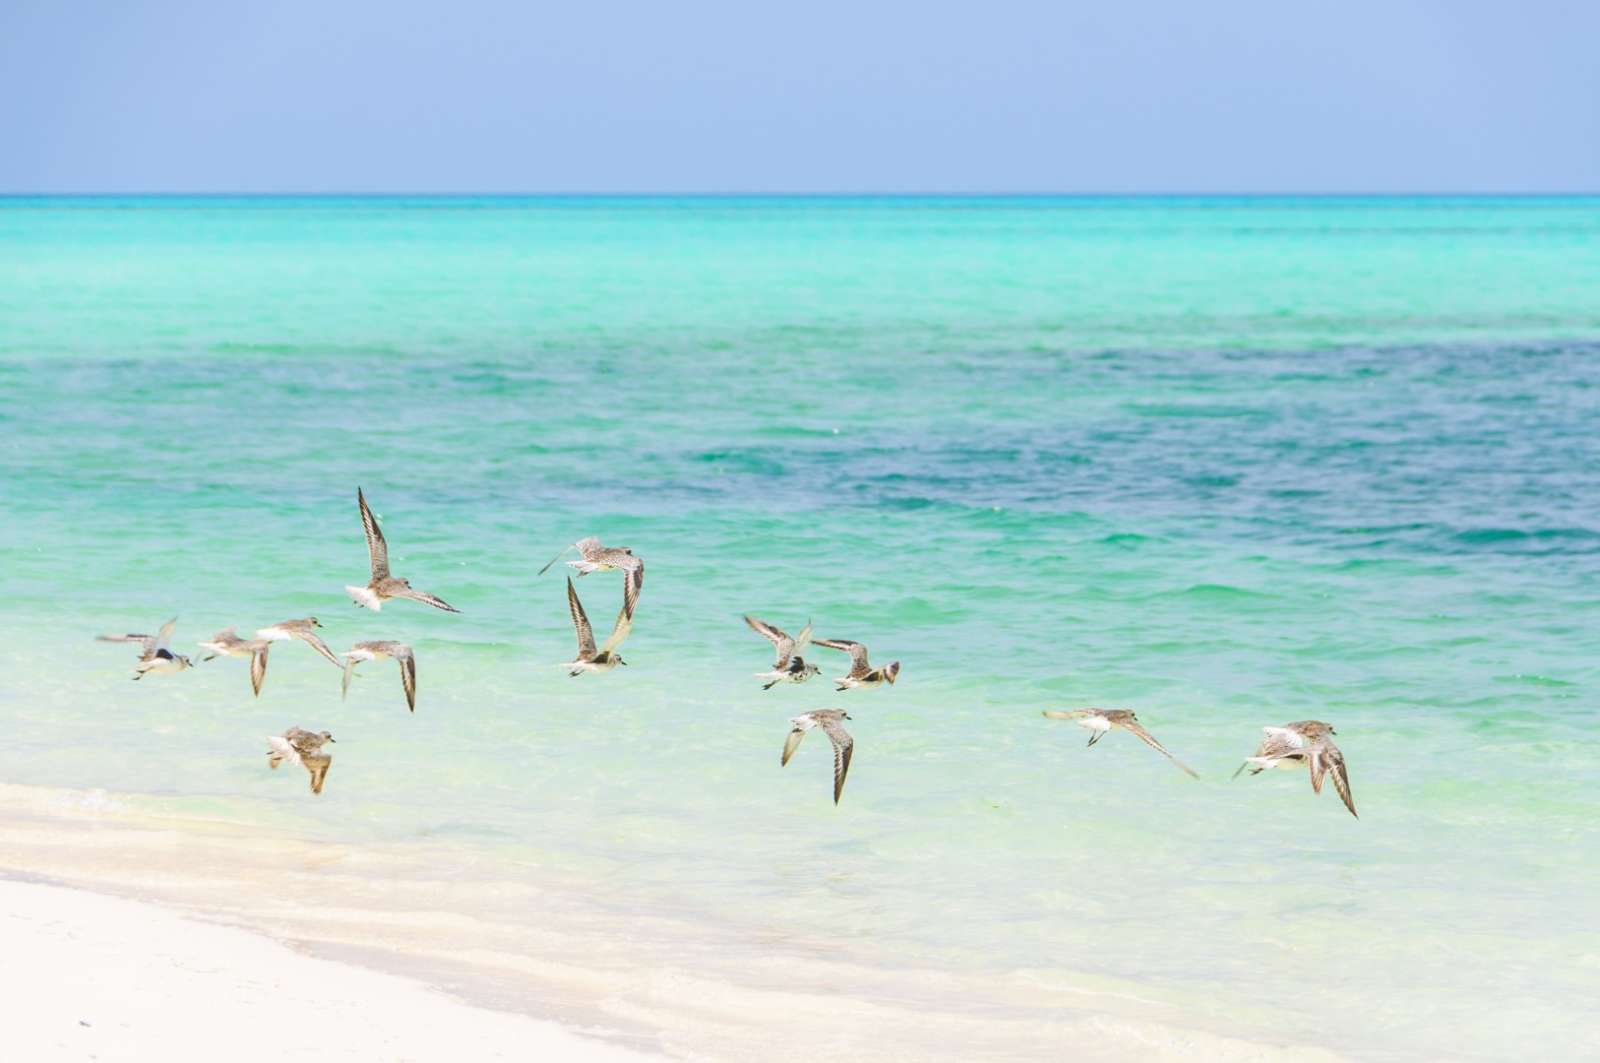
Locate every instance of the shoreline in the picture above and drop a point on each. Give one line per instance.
(634, 984)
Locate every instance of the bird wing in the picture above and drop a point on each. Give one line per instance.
(858, 654)
(258, 667)
(1134, 728)
(425, 598)
(619, 631)
(408, 675)
(164, 636)
(312, 639)
(843, 745)
(147, 643)
(632, 582)
(792, 743)
(317, 764)
(1074, 714)
(802, 640)
(1326, 758)
(580, 620)
(375, 543)
(780, 642)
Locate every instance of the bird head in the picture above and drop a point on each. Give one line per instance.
(890, 672)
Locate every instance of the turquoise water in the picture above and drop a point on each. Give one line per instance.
(1227, 462)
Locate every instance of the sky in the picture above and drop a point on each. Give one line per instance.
(676, 97)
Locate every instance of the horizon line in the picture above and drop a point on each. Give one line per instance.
(328, 193)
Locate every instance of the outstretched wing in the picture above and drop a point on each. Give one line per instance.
(408, 675)
(632, 583)
(258, 667)
(1133, 727)
(164, 636)
(1326, 758)
(147, 643)
(312, 639)
(317, 764)
(843, 745)
(619, 631)
(781, 642)
(580, 620)
(375, 544)
(792, 743)
(426, 599)
(858, 654)
(1074, 714)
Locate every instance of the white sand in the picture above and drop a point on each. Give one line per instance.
(90, 977)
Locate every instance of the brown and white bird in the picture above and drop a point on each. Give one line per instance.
(1304, 743)
(789, 667)
(591, 658)
(226, 644)
(304, 748)
(383, 586)
(597, 558)
(830, 722)
(154, 657)
(861, 674)
(1101, 721)
(379, 651)
(305, 631)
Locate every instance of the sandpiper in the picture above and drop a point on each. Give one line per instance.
(790, 667)
(597, 558)
(154, 657)
(589, 658)
(829, 721)
(383, 586)
(305, 631)
(302, 747)
(861, 674)
(1100, 721)
(378, 651)
(1304, 743)
(227, 644)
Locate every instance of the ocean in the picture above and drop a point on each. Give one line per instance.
(1229, 462)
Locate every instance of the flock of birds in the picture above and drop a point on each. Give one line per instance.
(1305, 744)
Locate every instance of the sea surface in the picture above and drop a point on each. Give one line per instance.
(1227, 461)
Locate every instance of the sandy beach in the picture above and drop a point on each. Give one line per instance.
(227, 932)
(91, 977)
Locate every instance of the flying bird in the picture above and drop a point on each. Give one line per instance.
(789, 667)
(304, 748)
(1101, 721)
(226, 644)
(378, 651)
(843, 744)
(383, 586)
(305, 631)
(154, 657)
(591, 659)
(861, 673)
(597, 558)
(1304, 743)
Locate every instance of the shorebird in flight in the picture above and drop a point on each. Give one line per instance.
(597, 558)
(1100, 721)
(225, 643)
(790, 667)
(843, 744)
(383, 586)
(298, 746)
(861, 673)
(305, 631)
(591, 659)
(1304, 743)
(154, 657)
(378, 651)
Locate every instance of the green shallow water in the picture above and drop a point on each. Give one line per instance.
(1228, 462)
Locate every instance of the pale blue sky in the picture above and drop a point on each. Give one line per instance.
(494, 95)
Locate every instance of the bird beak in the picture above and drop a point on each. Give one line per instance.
(332, 739)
